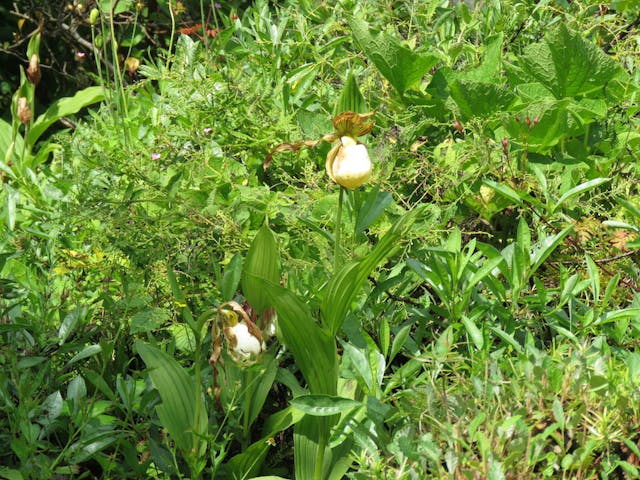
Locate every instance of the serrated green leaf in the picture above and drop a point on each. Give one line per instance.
(480, 99)
(568, 65)
(402, 67)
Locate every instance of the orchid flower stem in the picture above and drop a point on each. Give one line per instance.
(338, 231)
(246, 403)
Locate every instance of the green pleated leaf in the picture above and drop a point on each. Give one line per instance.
(324, 405)
(248, 462)
(177, 389)
(306, 436)
(262, 386)
(351, 100)
(568, 65)
(262, 262)
(312, 347)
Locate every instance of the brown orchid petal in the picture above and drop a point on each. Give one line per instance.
(351, 124)
(288, 147)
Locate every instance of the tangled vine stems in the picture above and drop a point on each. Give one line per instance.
(599, 263)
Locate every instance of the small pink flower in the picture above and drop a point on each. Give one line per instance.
(155, 156)
(207, 130)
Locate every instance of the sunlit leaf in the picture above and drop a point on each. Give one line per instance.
(402, 67)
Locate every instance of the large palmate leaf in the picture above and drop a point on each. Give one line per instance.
(403, 68)
(480, 99)
(178, 411)
(567, 64)
(554, 121)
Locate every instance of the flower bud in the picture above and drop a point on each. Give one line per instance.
(348, 163)
(132, 64)
(33, 71)
(24, 112)
(93, 16)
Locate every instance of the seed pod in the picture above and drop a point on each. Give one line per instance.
(132, 64)
(33, 71)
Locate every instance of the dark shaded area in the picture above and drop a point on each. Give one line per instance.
(67, 61)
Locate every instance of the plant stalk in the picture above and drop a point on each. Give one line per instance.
(322, 446)
(337, 232)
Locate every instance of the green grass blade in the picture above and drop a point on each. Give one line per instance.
(577, 190)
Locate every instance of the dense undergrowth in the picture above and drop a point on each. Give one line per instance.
(474, 314)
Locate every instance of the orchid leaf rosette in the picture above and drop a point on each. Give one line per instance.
(348, 163)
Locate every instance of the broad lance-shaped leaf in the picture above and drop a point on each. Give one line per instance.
(177, 412)
(345, 284)
(324, 405)
(402, 67)
(61, 108)
(315, 353)
(262, 263)
(313, 349)
(249, 461)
